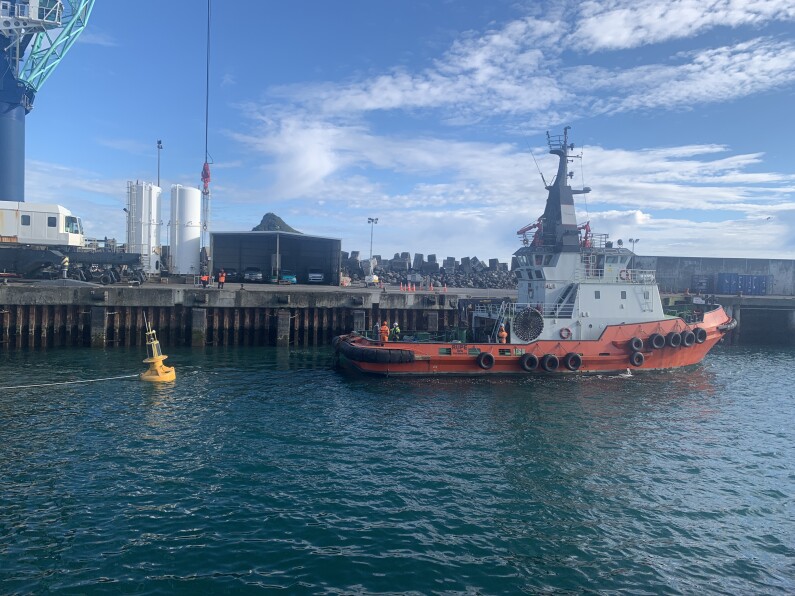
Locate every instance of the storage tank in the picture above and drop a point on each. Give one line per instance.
(143, 223)
(185, 229)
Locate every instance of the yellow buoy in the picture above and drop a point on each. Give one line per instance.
(157, 372)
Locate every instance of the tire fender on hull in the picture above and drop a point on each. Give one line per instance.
(528, 362)
(673, 339)
(572, 361)
(485, 360)
(550, 362)
(657, 341)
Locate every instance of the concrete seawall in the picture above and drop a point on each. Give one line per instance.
(35, 315)
(39, 316)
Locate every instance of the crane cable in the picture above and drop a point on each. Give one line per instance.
(207, 88)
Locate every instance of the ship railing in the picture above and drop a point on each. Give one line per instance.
(587, 274)
(453, 335)
(508, 310)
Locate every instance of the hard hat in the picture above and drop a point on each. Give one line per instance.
(502, 326)
(385, 323)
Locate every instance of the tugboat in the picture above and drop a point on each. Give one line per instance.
(582, 308)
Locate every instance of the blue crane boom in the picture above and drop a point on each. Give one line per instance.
(35, 35)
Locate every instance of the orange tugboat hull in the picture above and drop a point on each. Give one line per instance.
(618, 349)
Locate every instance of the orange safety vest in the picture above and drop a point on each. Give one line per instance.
(221, 277)
(384, 333)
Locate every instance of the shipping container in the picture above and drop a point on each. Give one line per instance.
(727, 283)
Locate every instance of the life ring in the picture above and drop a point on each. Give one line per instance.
(485, 360)
(701, 335)
(572, 361)
(550, 362)
(528, 362)
(636, 344)
(623, 274)
(637, 359)
(657, 341)
(688, 338)
(565, 333)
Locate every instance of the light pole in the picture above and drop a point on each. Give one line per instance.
(278, 256)
(159, 148)
(632, 241)
(372, 221)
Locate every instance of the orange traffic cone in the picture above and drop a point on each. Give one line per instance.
(401, 286)
(445, 288)
(430, 286)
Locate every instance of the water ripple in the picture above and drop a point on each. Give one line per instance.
(264, 469)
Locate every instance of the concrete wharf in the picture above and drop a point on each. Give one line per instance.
(46, 314)
(50, 315)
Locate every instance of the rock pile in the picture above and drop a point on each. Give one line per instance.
(469, 272)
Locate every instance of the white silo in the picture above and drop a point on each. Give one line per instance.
(143, 223)
(185, 229)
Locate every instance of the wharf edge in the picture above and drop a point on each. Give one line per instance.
(36, 316)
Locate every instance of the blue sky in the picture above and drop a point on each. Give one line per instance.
(427, 115)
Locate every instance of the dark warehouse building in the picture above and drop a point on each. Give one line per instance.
(305, 256)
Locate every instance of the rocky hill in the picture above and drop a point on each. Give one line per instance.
(272, 222)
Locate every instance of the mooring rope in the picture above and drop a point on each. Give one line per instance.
(71, 382)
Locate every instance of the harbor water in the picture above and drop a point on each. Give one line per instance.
(267, 470)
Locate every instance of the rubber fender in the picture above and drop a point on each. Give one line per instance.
(688, 338)
(550, 362)
(701, 335)
(657, 341)
(636, 344)
(673, 339)
(485, 360)
(401, 356)
(572, 361)
(528, 362)
(382, 356)
(637, 359)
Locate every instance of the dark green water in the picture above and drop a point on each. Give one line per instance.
(267, 470)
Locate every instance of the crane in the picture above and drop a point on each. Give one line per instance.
(35, 35)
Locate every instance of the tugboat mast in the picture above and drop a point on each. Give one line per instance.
(559, 222)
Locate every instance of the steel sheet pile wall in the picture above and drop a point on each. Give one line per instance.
(36, 318)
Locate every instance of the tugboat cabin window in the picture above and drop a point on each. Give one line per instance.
(547, 259)
(25, 220)
(597, 294)
(51, 222)
(539, 259)
(623, 294)
(612, 260)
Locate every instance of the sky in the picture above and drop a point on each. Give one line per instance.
(431, 115)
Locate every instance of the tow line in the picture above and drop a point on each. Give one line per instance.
(70, 382)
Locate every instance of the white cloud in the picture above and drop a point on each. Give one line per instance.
(622, 24)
